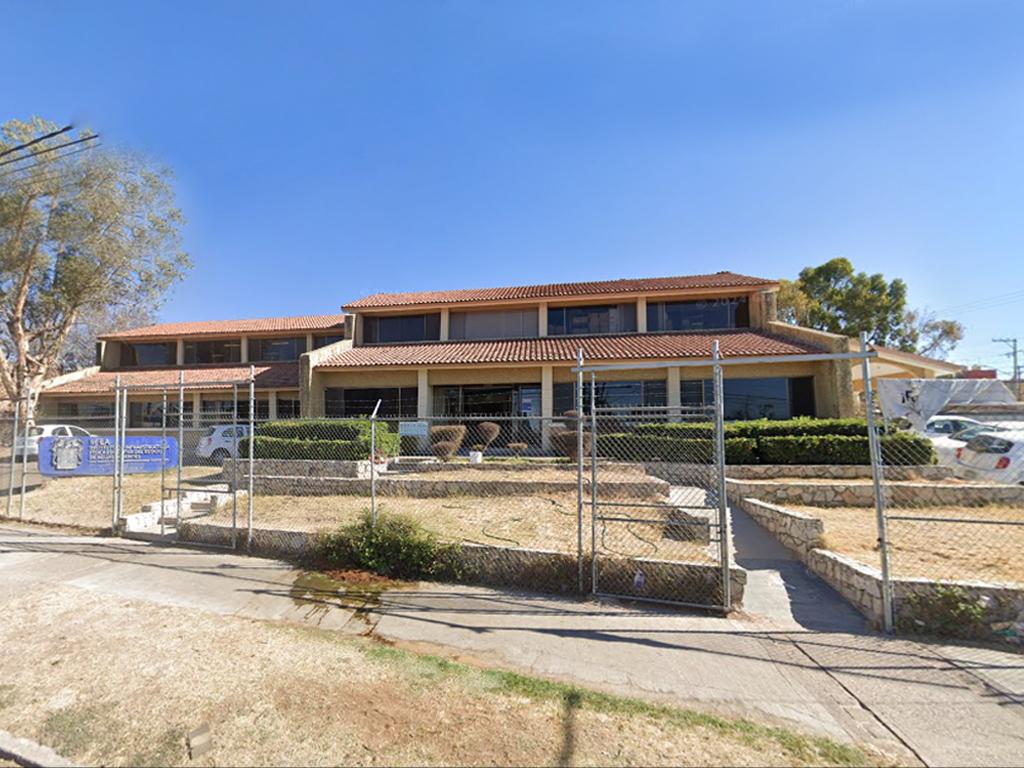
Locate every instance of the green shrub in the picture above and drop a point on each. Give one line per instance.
(899, 449)
(325, 450)
(320, 429)
(759, 428)
(631, 447)
(397, 546)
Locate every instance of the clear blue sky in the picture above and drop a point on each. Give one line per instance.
(329, 150)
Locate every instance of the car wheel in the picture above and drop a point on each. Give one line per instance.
(218, 456)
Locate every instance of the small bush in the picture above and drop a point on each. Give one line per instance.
(449, 434)
(518, 449)
(488, 432)
(566, 441)
(397, 546)
(444, 449)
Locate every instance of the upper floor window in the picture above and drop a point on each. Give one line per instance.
(701, 315)
(219, 351)
(385, 329)
(610, 318)
(323, 341)
(276, 350)
(496, 324)
(163, 353)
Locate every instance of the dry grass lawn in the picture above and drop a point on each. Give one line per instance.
(114, 682)
(933, 550)
(535, 522)
(85, 502)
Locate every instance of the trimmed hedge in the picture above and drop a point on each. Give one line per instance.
(320, 439)
(633, 447)
(759, 428)
(900, 449)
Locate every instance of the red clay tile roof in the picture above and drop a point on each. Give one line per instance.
(268, 376)
(559, 290)
(563, 349)
(258, 325)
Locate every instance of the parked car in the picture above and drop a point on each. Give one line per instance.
(221, 442)
(996, 457)
(37, 433)
(946, 445)
(948, 425)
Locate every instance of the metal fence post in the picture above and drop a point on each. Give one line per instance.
(252, 464)
(181, 447)
(163, 457)
(373, 464)
(234, 466)
(724, 529)
(14, 457)
(24, 452)
(593, 480)
(579, 467)
(113, 465)
(876, 478)
(124, 447)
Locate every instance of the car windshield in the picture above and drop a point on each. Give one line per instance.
(985, 443)
(974, 431)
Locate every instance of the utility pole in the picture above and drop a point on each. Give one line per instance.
(1016, 367)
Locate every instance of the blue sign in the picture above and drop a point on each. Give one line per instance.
(94, 455)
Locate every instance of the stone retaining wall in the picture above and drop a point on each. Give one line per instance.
(298, 468)
(860, 493)
(919, 605)
(797, 532)
(681, 474)
(514, 567)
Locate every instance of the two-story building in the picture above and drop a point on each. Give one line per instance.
(510, 351)
(210, 357)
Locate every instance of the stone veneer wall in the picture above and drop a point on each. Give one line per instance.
(917, 603)
(861, 493)
(536, 569)
(679, 473)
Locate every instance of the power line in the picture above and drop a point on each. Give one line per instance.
(20, 147)
(59, 157)
(34, 155)
(976, 302)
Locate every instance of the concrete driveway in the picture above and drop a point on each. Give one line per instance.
(932, 703)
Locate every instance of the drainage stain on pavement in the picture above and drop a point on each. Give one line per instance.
(319, 592)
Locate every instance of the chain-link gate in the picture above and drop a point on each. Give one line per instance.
(176, 458)
(653, 484)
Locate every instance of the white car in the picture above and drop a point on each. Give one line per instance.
(948, 425)
(30, 446)
(946, 446)
(221, 442)
(996, 457)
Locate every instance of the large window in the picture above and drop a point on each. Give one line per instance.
(498, 324)
(276, 350)
(698, 315)
(769, 398)
(611, 318)
(487, 400)
(149, 414)
(394, 401)
(149, 354)
(394, 330)
(612, 394)
(223, 411)
(219, 351)
(288, 408)
(323, 341)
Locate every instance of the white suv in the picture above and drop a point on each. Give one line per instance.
(221, 442)
(30, 446)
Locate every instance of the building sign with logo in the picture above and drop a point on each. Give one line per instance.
(413, 428)
(94, 455)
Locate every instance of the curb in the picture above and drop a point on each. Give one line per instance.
(28, 753)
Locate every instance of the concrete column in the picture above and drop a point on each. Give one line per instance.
(180, 352)
(272, 404)
(309, 342)
(547, 405)
(423, 404)
(445, 320)
(244, 349)
(542, 319)
(674, 392)
(197, 400)
(641, 314)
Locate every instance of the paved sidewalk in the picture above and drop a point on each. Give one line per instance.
(946, 705)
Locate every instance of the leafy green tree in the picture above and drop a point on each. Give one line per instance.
(83, 231)
(834, 297)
